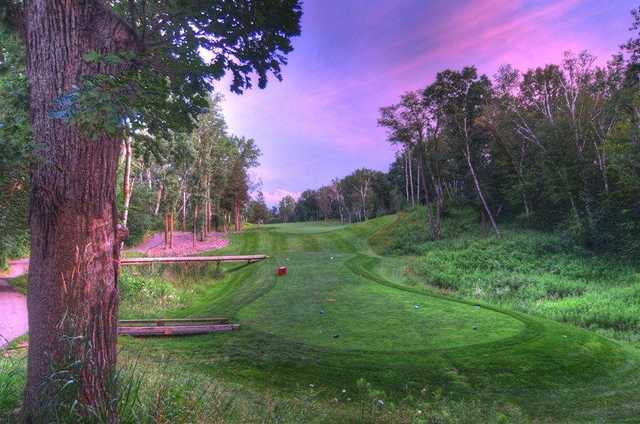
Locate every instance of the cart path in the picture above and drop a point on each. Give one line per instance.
(13, 305)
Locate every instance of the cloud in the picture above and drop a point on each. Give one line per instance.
(354, 57)
(272, 198)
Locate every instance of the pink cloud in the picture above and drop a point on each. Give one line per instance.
(321, 121)
(272, 197)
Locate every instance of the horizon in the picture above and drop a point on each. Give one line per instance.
(334, 117)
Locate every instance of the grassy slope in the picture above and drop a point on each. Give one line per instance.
(550, 370)
(526, 270)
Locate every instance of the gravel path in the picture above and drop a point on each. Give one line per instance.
(13, 305)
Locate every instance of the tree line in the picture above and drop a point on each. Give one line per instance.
(361, 195)
(557, 146)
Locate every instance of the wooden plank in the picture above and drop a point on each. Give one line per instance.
(187, 259)
(164, 322)
(176, 330)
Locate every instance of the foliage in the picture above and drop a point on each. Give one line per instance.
(551, 147)
(14, 150)
(361, 195)
(257, 211)
(286, 208)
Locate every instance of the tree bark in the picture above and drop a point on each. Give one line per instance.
(73, 277)
(406, 176)
(238, 224)
(195, 224)
(171, 227)
(184, 211)
(413, 200)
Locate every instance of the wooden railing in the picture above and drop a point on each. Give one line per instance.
(191, 259)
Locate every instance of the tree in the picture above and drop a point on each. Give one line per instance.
(258, 212)
(138, 65)
(460, 98)
(325, 198)
(286, 208)
(307, 206)
(414, 124)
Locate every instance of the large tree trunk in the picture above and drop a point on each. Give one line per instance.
(73, 275)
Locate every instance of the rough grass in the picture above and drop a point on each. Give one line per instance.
(528, 271)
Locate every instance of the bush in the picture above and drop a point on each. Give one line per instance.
(145, 296)
(14, 229)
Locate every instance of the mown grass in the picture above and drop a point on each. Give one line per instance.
(391, 361)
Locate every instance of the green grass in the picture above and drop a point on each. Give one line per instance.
(306, 227)
(467, 353)
(322, 303)
(19, 283)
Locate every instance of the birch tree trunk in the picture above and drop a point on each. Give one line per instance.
(413, 200)
(156, 210)
(184, 211)
(479, 190)
(127, 186)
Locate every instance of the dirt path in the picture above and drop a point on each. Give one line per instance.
(182, 244)
(13, 305)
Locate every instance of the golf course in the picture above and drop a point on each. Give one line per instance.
(344, 315)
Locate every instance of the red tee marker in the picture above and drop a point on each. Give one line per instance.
(282, 270)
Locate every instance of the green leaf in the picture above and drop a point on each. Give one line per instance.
(112, 59)
(91, 57)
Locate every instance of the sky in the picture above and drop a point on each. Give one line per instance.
(354, 57)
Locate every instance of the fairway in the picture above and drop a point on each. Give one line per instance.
(305, 228)
(344, 313)
(321, 302)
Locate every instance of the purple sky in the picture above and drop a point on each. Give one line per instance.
(355, 56)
